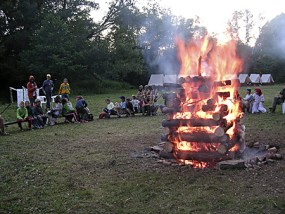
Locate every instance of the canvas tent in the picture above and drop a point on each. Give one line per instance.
(266, 78)
(170, 79)
(244, 79)
(156, 80)
(254, 78)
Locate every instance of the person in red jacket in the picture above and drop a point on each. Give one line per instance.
(32, 90)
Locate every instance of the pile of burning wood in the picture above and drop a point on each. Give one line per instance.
(202, 125)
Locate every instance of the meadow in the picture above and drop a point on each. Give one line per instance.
(94, 168)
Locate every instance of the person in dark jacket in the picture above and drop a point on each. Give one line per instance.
(39, 113)
(32, 90)
(82, 109)
(47, 89)
(278, 100)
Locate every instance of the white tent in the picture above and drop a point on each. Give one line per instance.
(266, 78)
(254, 78)
(170, 79)
(156, 80)
(244, 79)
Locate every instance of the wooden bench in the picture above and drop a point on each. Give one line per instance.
(10, 123)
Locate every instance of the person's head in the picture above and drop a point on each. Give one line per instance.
(128, 100)
(107, 101)
(32, 79)
(48, 76)
(258, 91)
(27, 104)
(79, 98)
(37, 102)
(146, 87)
(248, 90)
(57, 99)
(65, 80)
(122, 98)
(64, 101)
(134, 97)
(22, 104)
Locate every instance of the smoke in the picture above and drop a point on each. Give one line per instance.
(158, 41)
(272, 38)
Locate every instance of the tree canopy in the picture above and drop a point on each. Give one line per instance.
(127, 45)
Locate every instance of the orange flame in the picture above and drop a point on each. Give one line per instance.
(202, 56)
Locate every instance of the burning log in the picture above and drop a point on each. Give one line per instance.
(224, 94)
(198, 137)
(222, 83)
(194, 122)
(201, 156)
(167, 110)
(199, 66)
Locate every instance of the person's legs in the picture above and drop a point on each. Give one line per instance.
(2, 125)
(32, 100)
(276, 101)
(20, 123)
(48, 97)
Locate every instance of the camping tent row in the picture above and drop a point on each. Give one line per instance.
(163, 80)
(159, 80)
(255, 79)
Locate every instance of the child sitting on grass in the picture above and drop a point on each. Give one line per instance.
(54, 113)
(22, 116)
(109, 109)
(39, 113)
(69, 112)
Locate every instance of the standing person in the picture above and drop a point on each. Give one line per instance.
(258, 102)
(32, 90)
(22, 116)
(47, 89)
(64, 89)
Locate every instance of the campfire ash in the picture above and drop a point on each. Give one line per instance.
(202, 125)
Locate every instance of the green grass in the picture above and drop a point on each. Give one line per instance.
(89, 168)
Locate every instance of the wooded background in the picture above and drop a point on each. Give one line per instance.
(129, 43)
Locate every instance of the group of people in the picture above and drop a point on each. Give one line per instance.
(253, 103)
(143, 102)
(32, 112)
(47, 88)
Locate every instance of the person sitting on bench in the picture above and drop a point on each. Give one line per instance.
(39, 113)
(81, 109)
(121, 109)
(22, 116)
(108, 110)
(2, 126)
(31, 115)
(69, 112)
(55, 112)
(278, 100)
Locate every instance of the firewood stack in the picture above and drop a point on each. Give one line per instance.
(201, 122)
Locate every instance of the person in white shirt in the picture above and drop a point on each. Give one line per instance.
(258, 102)
(247, 101)
(136, 104)
(110, 108)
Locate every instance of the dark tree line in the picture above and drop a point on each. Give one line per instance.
(127, 45)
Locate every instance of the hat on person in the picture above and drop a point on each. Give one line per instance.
(122, 97)
(37, 101)
(48, 75)
(248, 89)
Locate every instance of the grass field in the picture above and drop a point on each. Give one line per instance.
(90, 168)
